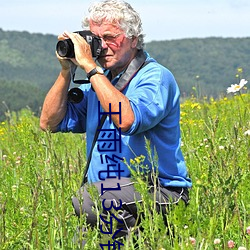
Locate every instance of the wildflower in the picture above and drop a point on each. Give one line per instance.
(195, 106)
(137, 159)
(230, 244)
(45, 216)
(132, 162)
(192, 240)
(242, 248)
(14, 188)
(237, 87)
(198, 182)
(247, 133)
(240, 70)
(248, 230)
(221, 147)
(216, 241)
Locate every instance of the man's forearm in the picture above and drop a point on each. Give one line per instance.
(55, 103)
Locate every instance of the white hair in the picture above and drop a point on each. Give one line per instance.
(120, 13)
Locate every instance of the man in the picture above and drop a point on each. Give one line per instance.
(141, 100)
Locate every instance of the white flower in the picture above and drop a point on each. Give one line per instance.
(242, 248)
(192, 240)
(217, 241)
(22, 210)
(248, 230)
(246, 133)
(237, 87)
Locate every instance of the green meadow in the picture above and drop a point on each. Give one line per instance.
(40, 172)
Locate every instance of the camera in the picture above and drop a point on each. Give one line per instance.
(65, 48)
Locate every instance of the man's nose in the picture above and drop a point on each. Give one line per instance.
(104, 44)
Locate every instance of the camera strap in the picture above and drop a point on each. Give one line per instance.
(136, 64)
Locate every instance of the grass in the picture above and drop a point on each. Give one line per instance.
(40, 172)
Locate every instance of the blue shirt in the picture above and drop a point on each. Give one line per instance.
(154, 97)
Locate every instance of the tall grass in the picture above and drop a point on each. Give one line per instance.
(40, 172)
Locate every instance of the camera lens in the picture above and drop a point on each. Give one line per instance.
(65, 48)
(75, 95)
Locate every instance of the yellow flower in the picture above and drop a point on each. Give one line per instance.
(240, 70)
(195, 105)
(137, 159)
(132, 162)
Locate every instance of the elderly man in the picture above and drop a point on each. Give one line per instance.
(140, 102)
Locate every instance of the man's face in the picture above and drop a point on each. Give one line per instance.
(118, 50)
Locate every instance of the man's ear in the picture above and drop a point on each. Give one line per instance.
(134, 42)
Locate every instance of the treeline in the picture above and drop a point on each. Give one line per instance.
(28, 67)
(204, 67)
(210, 64)
(16, 95)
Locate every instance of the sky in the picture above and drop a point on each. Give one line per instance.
(162, 19)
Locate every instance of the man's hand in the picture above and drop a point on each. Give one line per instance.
(83, 54)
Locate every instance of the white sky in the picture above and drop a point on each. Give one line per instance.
(162, 19)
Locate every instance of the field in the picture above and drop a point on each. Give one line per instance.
(40, 172)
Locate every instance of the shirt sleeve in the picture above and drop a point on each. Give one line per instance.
(75, 117)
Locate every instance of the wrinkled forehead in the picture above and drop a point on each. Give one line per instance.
(105, 20)
(104, 25)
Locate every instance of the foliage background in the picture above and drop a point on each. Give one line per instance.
(28, 66)
(40, 172)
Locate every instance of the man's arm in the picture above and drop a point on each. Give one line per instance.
(55, 103)
(105, 91)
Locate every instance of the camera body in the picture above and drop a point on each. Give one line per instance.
(65, 48)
